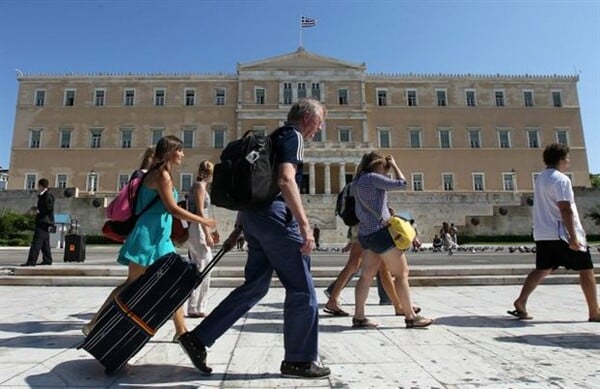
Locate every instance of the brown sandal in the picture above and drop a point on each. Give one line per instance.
(363, 323)
(418, 322)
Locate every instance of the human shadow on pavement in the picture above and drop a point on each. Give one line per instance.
(577, 340)
(90, 373)
(35, 327)
(497, 321)
(47, 341)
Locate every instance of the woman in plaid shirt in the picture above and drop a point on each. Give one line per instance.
(371, 186)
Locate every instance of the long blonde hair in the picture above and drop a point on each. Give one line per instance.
(205, 169)
(147, 158)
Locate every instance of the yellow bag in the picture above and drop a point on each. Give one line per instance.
(401, 231)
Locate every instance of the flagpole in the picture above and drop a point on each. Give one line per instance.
(300, 31)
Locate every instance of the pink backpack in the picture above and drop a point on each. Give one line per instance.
(122, 207)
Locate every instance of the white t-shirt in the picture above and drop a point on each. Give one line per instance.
(552, 186)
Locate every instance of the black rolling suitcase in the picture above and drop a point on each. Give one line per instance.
(128, 323)
(74, 248)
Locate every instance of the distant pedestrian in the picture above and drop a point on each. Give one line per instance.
(454, 234)
(44, 221)
(317, 235)
(560, 239)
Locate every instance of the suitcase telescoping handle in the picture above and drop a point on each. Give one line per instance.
(213, 262)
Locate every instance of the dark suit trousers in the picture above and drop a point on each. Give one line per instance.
(41, 241)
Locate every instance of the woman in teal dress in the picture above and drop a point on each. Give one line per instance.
(150, 239)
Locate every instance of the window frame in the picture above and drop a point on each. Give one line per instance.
(191, 131)
(67, 90)
(218, 98)
(122, 140)
(26, 181)
(384, 130)
(216, 130)
(36, 101)
(38, 144)
(409, 98)
(162, 99)
(62, 132)
(257, 99)
(478, 132)
(344, 129)
(343, 100)
(153, 132)
(566, 132)
(186, 99)
(57, 182)
(530, 130)
(445, 92)
(508, 188)
(452, 183)
(447, 130)
(474, 183)
(503, 96)
(508, 131)
(419, 132)
(560, 98)
(467, 91)
(422, 181)
(99, 102)
(386, 100)
(525, 91)
(125, 97)
(182, 178)
(96, 131)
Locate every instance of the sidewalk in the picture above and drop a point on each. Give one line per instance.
(473, 343)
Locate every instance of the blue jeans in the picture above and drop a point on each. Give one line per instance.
(274, 243)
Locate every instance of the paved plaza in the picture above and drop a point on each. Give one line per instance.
(473, 343)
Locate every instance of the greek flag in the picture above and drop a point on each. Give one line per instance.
(307, 22)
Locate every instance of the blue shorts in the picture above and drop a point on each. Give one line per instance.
(378, 242)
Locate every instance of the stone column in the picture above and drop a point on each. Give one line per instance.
(365, 131)
(342, 180)
(327, 178)
(311, 178)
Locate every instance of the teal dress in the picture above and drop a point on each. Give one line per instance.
(150, 239)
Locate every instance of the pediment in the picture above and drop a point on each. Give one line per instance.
(300, 60)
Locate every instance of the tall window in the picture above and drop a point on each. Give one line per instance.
(319, 136)
(190, 97)
(219, 138)
(417, 182)
(415, 139)
(30, 181)
(126, 138)
(219, 96)
(445, 139)
(508, 181)
(533, 139)
(156, 134)
(65, 139)
(475, 139)
(287, 93)
(69, 97)
(61, 180)
(301, 90)
(411, 97)
(441, 97)
(556, 98)
(562, 137)
(186, 182)
(478, 182)
(499, 96)
(528, 98)
(448, 181)
(343, 96)
(40, 98)
(504, 139)
(534, 177)
(384, 138)
(470, 98)
(381, 97)
(122, 181)
(129, 97)
(96, 138)
(35, 139)
(159, 97)
(316, 91)
(99, 97)
(259, 96)
(344, 134)
(187, 136)
(92, 182)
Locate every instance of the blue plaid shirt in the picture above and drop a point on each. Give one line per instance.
(371, 200)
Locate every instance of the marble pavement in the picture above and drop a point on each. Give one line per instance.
(473, 344)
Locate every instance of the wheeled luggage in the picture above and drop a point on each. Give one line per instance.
(74, 248)
(127, 323)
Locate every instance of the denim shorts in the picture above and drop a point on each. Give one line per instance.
(378, 242)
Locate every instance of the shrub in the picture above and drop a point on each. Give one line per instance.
(13, 224)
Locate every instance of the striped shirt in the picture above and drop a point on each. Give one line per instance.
(371, 200)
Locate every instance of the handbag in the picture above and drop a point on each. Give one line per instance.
(180, 233)
(400, 230)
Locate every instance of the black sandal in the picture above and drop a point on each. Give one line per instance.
(363, 323)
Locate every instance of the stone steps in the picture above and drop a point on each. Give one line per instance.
(323, 276)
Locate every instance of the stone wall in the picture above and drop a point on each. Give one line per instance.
(428, 209)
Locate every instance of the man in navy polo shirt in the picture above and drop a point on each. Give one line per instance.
(280, 239)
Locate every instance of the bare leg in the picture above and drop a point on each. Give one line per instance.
(133, 272)
(370, 265)
(588, 285)
(351, 268)
(179, 321)
(396, 262)
(390, 289)
(531, 282)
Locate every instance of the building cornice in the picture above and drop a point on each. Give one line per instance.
(469, 76)
(126, 76)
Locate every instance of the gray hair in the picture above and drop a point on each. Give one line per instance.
(302, 106)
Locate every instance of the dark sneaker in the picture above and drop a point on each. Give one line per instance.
(303, 370)
(196, 351)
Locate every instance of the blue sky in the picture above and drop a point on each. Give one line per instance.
(177, 36)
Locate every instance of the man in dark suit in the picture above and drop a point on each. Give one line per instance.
(44, 220)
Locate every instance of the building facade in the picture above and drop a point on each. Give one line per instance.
(449, 133)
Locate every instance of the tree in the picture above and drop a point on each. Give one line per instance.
(595, 180)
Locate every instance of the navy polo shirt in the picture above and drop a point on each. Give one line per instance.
(289, 147)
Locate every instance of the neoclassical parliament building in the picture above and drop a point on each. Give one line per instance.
(449, 133)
